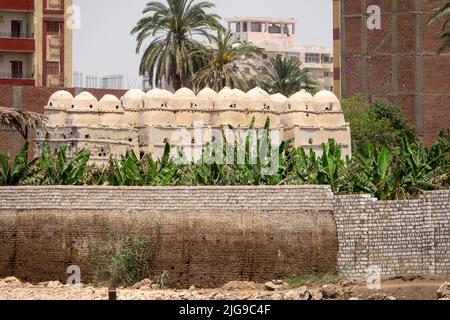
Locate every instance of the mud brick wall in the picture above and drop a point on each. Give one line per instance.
(399, 237)
(201, 236)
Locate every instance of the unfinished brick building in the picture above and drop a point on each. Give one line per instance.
(398, 61)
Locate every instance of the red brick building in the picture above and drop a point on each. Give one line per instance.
(35, 43)
(397, 62)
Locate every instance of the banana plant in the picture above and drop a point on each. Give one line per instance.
(19, 171)
(59, 170)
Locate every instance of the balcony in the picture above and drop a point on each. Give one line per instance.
(18, 5)
(16, 79)
(18, 42)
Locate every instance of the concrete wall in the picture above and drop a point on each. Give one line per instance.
(397, 62)
(207, 236)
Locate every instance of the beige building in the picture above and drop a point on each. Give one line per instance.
(144, 122)
(277, 37)
(35, 43)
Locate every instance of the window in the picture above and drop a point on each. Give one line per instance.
(52, 27)
(312, 57)
(16, 69)
(256, 27)
(245, 27)
(16, 28)
(274, 28)
(238, 27)
(326, 58)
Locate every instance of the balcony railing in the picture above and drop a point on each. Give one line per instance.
(16, 75)
(16, 35)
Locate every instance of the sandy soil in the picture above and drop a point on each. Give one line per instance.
(398, 288)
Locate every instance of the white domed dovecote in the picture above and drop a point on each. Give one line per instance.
(186, 106)
(279, 102)
(132, 102)
(229, 110)
(300, 111)
(206, 99)
(158, 110)
(328, 108)
(56, 108)
(258, 105)
(111, 111)
(84, 111)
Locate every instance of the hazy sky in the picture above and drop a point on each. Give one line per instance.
(103, 45)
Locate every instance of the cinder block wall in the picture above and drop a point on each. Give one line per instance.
(399, 237)
(207, 236)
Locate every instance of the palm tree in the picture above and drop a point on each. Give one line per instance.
(439, 13)
(284, 75)
(227, 60)
(172, 28)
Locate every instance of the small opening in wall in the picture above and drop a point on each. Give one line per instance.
(193, 141)
(72, 106)
(289, 106)
(192, 105)
(104, 154)
(142, 154)
(90, 106)
(307, 107)
(310, 141)
(102, 150)
(307, 114)
(99, 154)
(117, 107)
(213, 139)
(162, 104)
(51, 104)
(130, 140)
(86, 136)
(165, 140)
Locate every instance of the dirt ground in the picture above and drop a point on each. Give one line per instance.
(396, 288)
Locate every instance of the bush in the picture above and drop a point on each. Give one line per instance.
(124, 266)
(380, 123)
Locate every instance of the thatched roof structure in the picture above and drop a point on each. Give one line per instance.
(21, 120)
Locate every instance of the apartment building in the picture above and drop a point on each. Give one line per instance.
(278, 38)
(35, 43)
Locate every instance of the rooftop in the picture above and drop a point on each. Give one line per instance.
(261, 19)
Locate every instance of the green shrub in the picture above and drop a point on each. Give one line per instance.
(123, 266)
(380, 123)
(308, 279)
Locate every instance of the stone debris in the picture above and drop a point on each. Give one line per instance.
(443, 292)
(241, 285)
(275, 285)
(145, 284)
(12, 288)
(330, 291)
